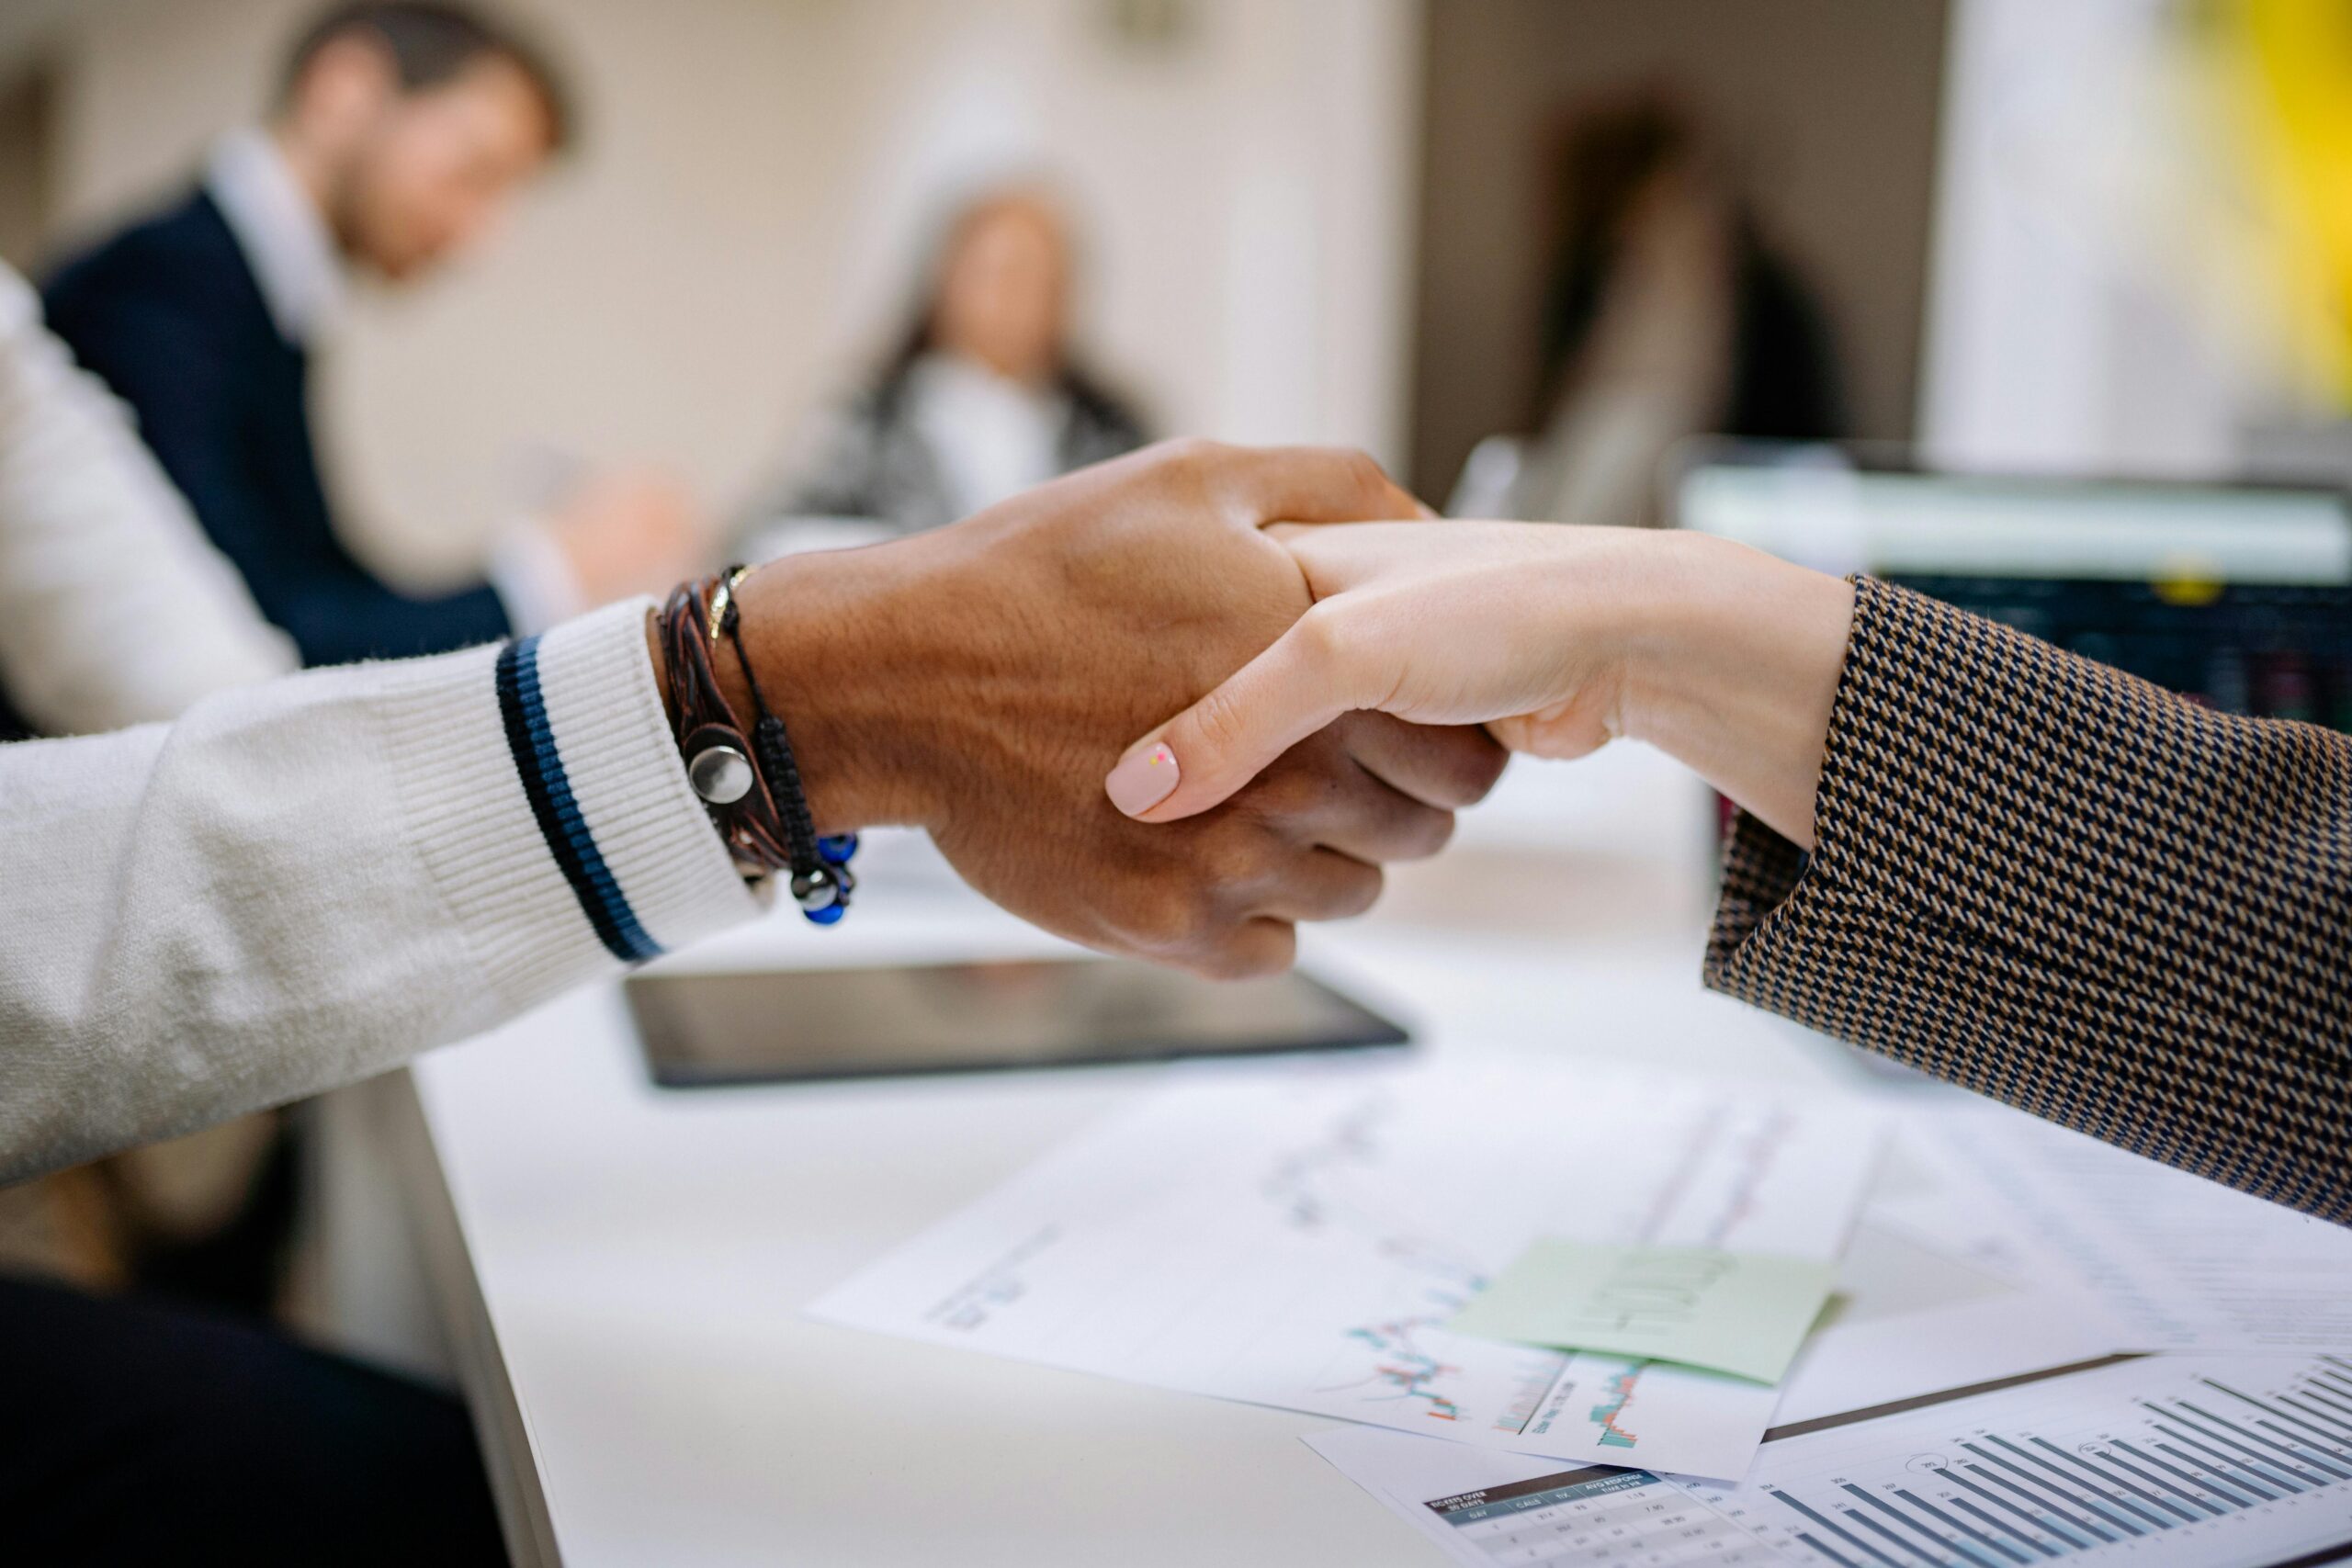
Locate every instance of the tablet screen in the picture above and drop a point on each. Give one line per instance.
(759, 1026)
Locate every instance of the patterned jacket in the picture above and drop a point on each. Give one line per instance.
(2061, 887)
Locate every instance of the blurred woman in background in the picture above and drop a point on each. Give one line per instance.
(983, 397)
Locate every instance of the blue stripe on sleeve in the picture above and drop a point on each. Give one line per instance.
(540, 761)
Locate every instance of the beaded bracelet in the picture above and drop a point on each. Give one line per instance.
(752, 788)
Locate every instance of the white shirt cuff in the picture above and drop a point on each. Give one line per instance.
(533, 580)
(547, 796)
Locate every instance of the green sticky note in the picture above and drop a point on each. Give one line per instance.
(1742, 1312)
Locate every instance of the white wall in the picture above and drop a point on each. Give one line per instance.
(2057, 337)
(740, 228)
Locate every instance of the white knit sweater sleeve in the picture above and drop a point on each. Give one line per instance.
(115, 609)
(304, 882)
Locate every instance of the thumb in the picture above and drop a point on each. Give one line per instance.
(1204, 755)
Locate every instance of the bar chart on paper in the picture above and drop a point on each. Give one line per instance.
(2188, 1460)
(2178, 1462)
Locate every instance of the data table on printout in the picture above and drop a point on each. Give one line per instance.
(1598, 1515)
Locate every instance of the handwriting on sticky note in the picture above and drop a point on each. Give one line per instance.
(1737, 1312)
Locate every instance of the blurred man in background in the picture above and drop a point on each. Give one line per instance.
(984, 396)
(402, 132)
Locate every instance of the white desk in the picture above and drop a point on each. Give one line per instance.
(623, 1267)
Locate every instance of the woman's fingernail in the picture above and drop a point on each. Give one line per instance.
(1143, 780)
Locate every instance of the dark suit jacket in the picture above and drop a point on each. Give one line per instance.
(2068, 889)
(169, 314)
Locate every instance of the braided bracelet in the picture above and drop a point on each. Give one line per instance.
(751, 787)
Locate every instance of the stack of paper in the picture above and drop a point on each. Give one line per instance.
(1684, 1321)
(2056, 1437)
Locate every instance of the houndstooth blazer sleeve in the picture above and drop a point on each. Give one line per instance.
(2070, 890)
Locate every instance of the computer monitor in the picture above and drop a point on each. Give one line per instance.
(2238, 595)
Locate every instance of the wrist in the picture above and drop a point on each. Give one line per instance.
(841, 692)
(1732, 662)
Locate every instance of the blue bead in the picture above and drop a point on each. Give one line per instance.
(838, 849)
(830, 915)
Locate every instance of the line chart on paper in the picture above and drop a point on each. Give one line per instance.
(1302, 1239)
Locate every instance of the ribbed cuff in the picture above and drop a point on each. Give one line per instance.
(544, 795)
(651, 829)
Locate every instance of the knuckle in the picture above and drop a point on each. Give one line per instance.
(1171, 928)
(1454, 766)
(1262, 947)
(1192, 912)
(1196, 457)
(1477, 766)
(1227, 961)
(1364, 472)
(1188, 449)
(1321, 638)
(1218, 720)
(1190, 463)
(1424, 834)
(1289, 789)
(1235, 863)
(1440, 833)
(1357, 892)
(1322, 884)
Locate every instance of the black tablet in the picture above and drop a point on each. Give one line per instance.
(755, 1027)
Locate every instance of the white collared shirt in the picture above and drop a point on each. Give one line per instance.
(991, 437)
(286, 242)
(281, 232)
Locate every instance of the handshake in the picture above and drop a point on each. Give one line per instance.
(982, 682)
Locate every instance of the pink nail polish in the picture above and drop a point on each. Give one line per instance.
(1143, 780)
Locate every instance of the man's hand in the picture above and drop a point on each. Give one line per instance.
(979, 681)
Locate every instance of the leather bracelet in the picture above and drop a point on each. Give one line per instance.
(748, 781)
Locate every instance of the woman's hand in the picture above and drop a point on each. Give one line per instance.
(1558, 638)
